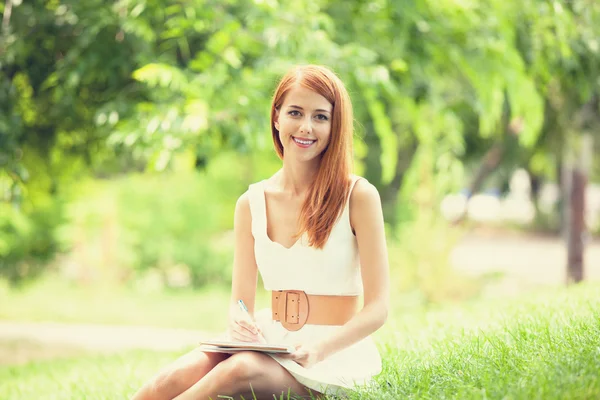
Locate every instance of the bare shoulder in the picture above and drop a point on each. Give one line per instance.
(242, 210)
(243, 202)
(364, 194)
(365, 206)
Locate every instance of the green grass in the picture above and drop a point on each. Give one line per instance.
(55, 300)
(541, 346)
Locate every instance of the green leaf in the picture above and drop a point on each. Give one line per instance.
(161, 75)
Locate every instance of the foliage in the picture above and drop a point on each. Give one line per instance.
(173, 228)
(29, 228)
(136, 229)
(27, 240)
(200, 70)
(94, 89)
(420, 264)
(166, 232)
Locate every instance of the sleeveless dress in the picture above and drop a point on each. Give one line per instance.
(333, 270)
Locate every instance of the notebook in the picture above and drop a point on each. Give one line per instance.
(223, 346)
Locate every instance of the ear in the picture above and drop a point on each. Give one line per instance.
(276, 119)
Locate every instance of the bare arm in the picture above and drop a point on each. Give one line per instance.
(366, 217)
(245, 270)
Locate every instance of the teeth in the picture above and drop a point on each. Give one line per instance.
(304, 142)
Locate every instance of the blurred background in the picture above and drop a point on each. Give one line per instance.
(129, 128)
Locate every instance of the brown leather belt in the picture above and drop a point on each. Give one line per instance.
(299, 308)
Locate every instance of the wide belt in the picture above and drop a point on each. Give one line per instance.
(295, 308)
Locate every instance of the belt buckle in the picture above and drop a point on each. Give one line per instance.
(293, 309)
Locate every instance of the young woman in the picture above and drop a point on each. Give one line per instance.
(315, 232)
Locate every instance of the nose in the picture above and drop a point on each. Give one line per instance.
(306, 126)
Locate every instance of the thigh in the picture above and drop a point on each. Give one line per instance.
(192, 366)
(266, 376)
(180, 375)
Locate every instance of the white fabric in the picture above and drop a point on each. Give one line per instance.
(333, 270)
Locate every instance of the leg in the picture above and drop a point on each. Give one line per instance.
(234, 376)
(179, 376)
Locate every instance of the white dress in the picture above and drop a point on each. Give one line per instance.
(333, 270)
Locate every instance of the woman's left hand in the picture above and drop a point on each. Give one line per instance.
(306, 355)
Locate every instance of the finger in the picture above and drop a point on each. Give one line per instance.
(302, 363)
(244, 332)
(260, 338)
(237, 336)
(299, 354)
(292, 355)
(299, 360)
(240, 331)
(248, 325)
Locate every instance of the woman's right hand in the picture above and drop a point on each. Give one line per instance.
(243, 329)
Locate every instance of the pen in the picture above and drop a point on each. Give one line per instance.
(245, 309)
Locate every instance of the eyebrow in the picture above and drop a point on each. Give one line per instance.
(300, 108)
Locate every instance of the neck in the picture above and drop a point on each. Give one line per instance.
(296, 178)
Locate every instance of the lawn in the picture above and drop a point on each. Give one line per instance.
(53, 299)
(545, 345)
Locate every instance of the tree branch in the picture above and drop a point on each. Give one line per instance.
(6, 16)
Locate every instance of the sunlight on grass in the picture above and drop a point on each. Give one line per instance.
(58, 301)
(541, 346)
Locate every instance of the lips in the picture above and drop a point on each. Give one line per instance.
(303, 142)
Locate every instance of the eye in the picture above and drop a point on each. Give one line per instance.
(322, 117)
(294, 113)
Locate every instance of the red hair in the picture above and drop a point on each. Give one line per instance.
(328, 193)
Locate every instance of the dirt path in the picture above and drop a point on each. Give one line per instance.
(21, 342)
(101, 337)
(523, 261)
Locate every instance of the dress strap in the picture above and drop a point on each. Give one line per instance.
(346, 212)
(355, 178)
(258, 209)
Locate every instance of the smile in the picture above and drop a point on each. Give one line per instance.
(303, 142)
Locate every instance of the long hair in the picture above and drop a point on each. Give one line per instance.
(327, 195)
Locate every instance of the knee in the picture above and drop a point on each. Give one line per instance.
(244, 366)
(162, 386)
(179, 376)
(156, 388)
(165, 380)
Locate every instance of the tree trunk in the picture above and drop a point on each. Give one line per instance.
(575, 224)
(373, 157)
(6, 16)
(575, 188)
(491, 161)
(390, 193)
(373, 171)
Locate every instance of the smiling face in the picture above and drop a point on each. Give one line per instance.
(304, 123)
